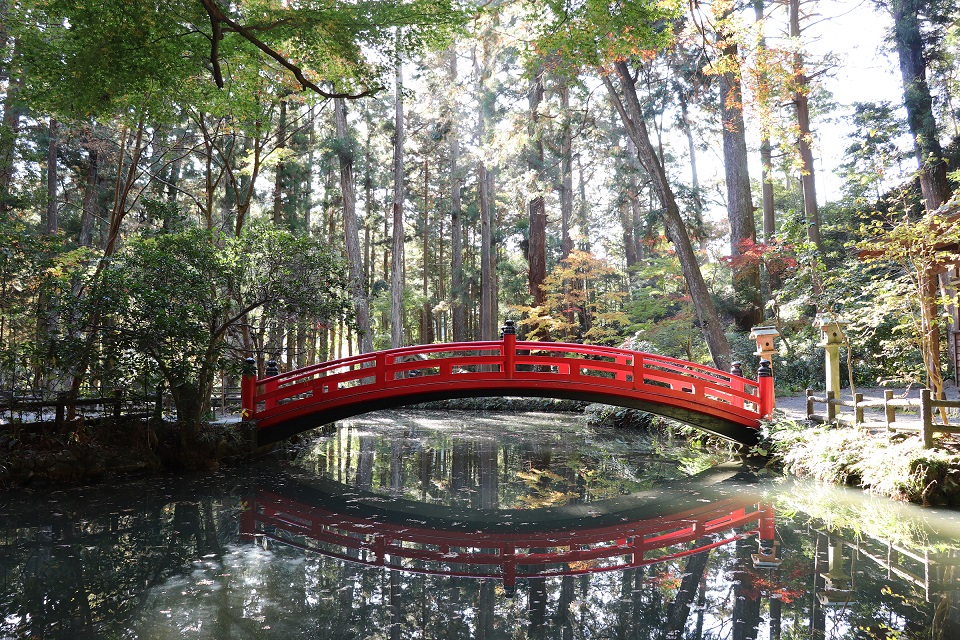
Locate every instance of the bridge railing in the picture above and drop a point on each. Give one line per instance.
(497, 361)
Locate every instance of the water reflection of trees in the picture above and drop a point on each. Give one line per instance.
(163, 561)
(172, 569)
(79, 568)
(543, 465)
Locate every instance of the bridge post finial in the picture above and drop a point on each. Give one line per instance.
(272, 369)
(737, 368)
(248, 388)
(765, 384)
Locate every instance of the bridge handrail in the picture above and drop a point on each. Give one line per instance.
(706, 373)
(652, 367)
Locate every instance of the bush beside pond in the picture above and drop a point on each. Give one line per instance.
(895, 466)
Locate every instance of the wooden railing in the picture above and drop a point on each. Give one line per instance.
(926, 406)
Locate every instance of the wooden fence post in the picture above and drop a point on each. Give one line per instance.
(61, 409)
(831, 408)
(926, 419)
(810, 411)
(858, 408)
(888, 409)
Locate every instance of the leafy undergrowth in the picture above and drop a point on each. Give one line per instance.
(894, 466)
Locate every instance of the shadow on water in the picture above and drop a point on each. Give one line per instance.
(442, 525)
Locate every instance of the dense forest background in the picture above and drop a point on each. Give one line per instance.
(189, 183)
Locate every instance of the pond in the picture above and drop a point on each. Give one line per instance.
(445, 524)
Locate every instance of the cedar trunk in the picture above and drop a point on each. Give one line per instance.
(396, 265)
(631, 113)
(351, 229)
(807, 177)
(748, 308)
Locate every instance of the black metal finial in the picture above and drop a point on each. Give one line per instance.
(272, 369)
(765, 370)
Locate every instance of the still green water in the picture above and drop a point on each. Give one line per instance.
(425, 524)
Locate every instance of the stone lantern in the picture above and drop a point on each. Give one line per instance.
(765, 338)
(832, 329)
(837, 581)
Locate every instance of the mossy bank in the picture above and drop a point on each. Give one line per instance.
(896, 466)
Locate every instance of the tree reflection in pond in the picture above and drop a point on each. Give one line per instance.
(166, 558)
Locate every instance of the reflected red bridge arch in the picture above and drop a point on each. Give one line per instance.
(724, 404)
(507, 545)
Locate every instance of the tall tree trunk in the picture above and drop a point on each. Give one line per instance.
(746, 277)
(91, 191)
(312, 145)
(426, 317)
(53, 221)
(173, 180)
(766, 149)
(807, 176)
(631, 113)
(396, 273)
(908, 39)
(537, 250)
(351, 229)
(279, 176)
(679, 609)
(486, 255)
(583, 211)
(566, 171)
(536, 211)
(699, 233)
(10, 129)
(458, 313)
(488, 297)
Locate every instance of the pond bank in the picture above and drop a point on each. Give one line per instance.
(38, 454)
(895, 466)
(891, 465)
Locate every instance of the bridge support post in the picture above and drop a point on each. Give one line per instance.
(765, 384)
(248, 388)
(766, 337)
(736, 369)
(509, 334)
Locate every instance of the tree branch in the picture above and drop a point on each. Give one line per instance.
(218, 16)
(217, 28)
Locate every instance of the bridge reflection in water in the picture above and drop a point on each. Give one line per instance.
(335, 520)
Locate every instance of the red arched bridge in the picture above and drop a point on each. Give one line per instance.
(721, 403)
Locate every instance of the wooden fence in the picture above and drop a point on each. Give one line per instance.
(26, 408)
(926, 406)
